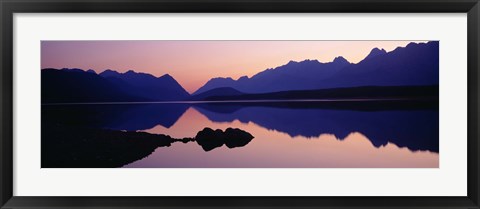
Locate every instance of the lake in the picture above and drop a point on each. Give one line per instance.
(302, 134)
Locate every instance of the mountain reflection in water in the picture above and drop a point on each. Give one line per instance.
(286, 136)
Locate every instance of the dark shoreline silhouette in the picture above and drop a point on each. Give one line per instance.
(74, 147)
(411, 93)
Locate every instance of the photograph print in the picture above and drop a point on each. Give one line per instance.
(239, 104)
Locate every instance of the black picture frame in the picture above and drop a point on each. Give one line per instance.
(9, 7)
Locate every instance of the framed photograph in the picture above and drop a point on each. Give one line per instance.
(239, 104)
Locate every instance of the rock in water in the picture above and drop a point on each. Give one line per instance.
(210, 139)
(237, 138)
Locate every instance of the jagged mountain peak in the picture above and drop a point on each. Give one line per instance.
(375, 52)
(340, 59)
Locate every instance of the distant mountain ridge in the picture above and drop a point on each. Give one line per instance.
(148, 86)
(218, 92)
(414, 64)
(291, 76)
(77, 85)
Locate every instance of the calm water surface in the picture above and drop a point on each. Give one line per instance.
(286, 136)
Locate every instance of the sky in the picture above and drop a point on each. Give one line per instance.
(193, 63)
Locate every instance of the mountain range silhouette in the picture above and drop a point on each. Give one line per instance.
(76, 85)
(417, 64)
(148, 86)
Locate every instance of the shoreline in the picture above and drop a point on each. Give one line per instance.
(245, 101)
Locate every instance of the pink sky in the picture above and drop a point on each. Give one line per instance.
(193, 63)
